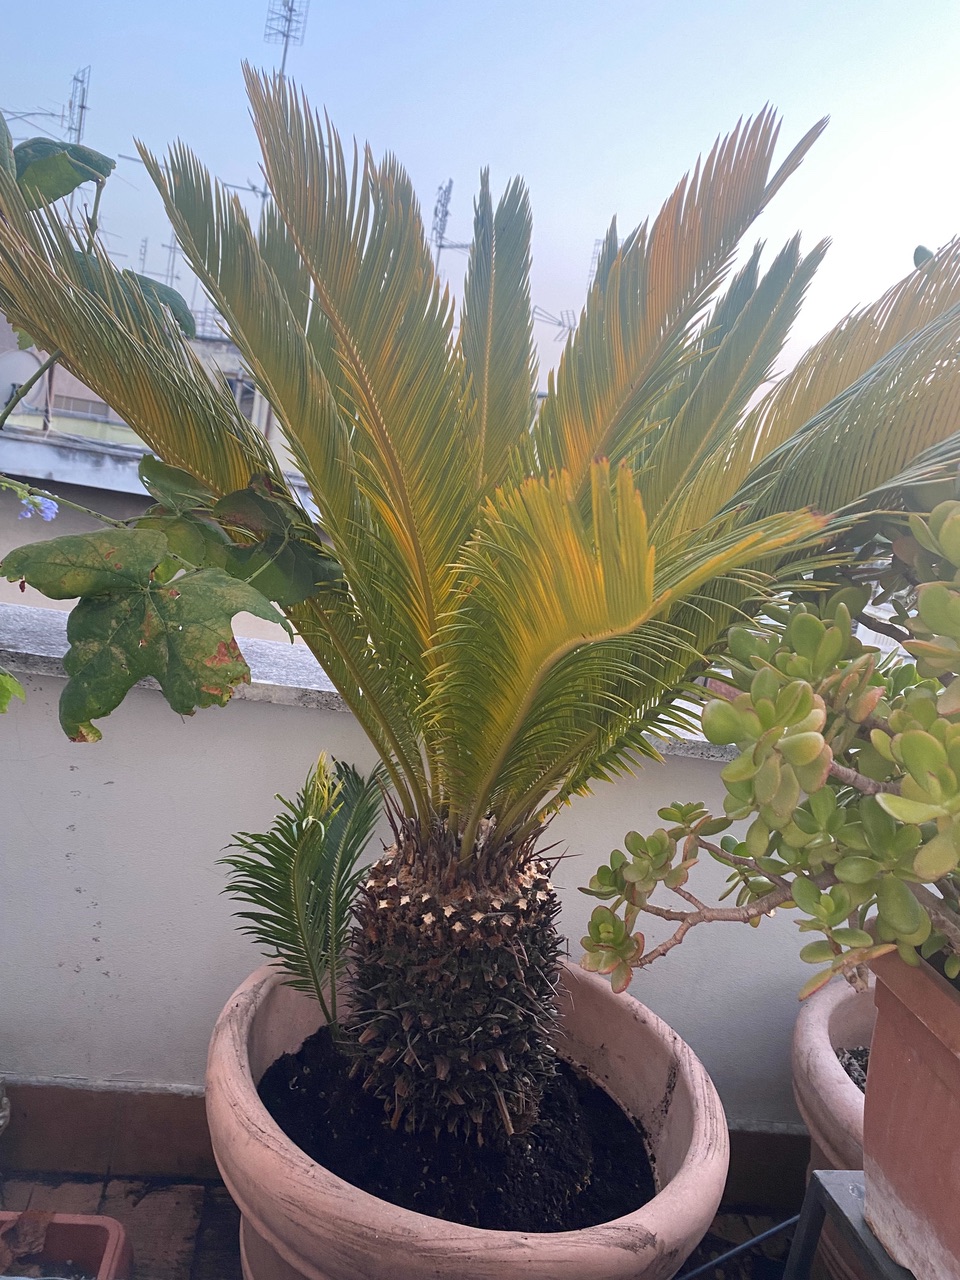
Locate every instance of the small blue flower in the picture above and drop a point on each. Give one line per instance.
(46, 507)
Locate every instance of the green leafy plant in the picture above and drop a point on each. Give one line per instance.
(848, 770)
(300, 878)
(520, 594)
(46, 170)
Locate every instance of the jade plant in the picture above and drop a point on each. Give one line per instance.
(509, 594)
(847, 769)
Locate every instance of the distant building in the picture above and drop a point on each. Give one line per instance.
(62, 432)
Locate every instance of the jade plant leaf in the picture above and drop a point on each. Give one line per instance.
(129, 625)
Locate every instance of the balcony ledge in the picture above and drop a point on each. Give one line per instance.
(33, 642)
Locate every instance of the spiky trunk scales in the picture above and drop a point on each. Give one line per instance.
(453, 1003)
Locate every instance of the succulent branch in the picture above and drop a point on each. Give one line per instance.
(848, 772)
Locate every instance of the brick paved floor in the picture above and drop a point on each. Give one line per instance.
(188, 1230)
(178, 1230)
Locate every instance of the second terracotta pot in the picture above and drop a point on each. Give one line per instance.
(301, 1221)
(831, 1105)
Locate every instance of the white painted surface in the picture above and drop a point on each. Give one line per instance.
(117, 948)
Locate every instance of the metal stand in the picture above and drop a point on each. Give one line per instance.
(841, 1195)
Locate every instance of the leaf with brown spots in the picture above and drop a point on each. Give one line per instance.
(180, 633)
(129, 625)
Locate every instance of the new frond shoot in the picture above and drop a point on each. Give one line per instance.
(847, 771)
(298, 881)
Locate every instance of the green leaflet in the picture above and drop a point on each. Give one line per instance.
(10, 687)
(299, 879)
(48, 170)
(128, 625)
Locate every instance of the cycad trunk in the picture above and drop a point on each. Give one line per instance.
(453, 990)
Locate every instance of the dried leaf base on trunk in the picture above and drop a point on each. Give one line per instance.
(453, 995)
(299, 1220)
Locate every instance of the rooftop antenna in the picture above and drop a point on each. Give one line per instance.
(170, 276)
(76, 112)
(565, 323)
(286, 25)
(441, 212)
(262, 192)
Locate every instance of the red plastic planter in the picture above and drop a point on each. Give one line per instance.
(911, 1156)
(97, 1245)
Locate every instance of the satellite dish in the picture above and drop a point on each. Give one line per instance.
(16, 368)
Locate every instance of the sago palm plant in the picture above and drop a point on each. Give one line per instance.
(520, 593)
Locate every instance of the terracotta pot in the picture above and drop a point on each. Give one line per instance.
(299, 1220)
(831, 1105)
(911, 1123)
(97, 1245)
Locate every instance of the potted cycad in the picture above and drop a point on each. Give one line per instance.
(848, 769)
(509, 597)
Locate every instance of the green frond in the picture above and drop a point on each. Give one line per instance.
(362, 240)
(842, 358)
(299, 879)
(905, 403)
(496, 329)
(644, 303)
(684, 476)
(113, 340)
(385, 644)
(540, 584)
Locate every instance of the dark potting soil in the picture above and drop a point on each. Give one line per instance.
(854, 1063)
(584, 1162)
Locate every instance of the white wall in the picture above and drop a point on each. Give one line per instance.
(117, 949)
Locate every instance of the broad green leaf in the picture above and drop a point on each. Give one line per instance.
(856, 870)
(174, 488)
(47, 169)
(10, 686)
(806, 895)
(852, 937)
(820, 952)
(286, 570)
(89, 564)
(161, 295)
(177, 632)
(937, 858)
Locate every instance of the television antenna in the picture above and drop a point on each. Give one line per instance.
(441, 213)
(76, 110)
(286, 25)
(262, 192)
(71, 118)
(565, 323)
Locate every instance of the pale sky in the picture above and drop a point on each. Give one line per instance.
(600, 106)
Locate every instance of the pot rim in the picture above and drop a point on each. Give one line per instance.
(705, 1161)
